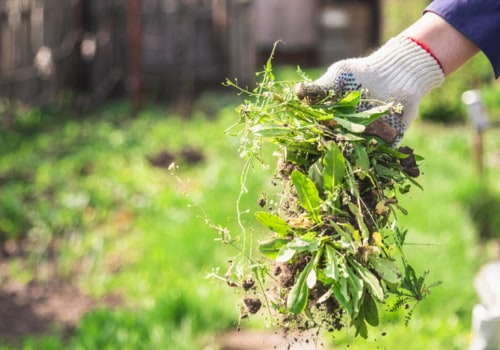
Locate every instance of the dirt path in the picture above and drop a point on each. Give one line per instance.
(37, 308)
(47, 305)
(34, 308)
(262, 340)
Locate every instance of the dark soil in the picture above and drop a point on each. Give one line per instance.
(409, 164)
(253, 305)
(187, 155)
(268, 340)
(161, 159)
(53, 306)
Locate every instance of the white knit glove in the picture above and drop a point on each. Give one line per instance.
(401, 71)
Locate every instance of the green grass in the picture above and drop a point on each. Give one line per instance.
(445, 244)
(129, 228)
(135, 230)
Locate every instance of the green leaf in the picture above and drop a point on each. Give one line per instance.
(351, 181)
(331, 269)
(359, 219)
(394, 152)
(399, 239)
(308, 195)
(271, 130)
(355, 235)
(269, 64)
(387, 173)
(341, 295)
(355, 284)
(288, 250)
(362, 160)
(272, 247)
(304, 244)
(350, 126)
(370, 115)
(370, 311)
(360, 325)
(285, 254)
(315, 173)
(311, 279)
(278, 307)
(418, 157)
(387, 269)
(297, 298)
(273, 222)
(333, 167)
(350, 100)
(371, 281)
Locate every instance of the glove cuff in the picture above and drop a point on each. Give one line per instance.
(405, 64)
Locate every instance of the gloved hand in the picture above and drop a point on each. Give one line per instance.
(402, 71)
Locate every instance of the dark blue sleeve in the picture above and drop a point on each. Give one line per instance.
(478, 20)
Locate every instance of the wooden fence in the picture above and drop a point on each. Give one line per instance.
(171, 48)
(50, 46)
(35, 59)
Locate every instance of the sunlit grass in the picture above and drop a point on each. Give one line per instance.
(126, 227)
(444, 241)
(132, 229)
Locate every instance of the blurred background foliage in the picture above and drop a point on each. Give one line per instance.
(87, 198)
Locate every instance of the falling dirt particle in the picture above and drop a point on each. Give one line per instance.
(249, 283)
(253, 304)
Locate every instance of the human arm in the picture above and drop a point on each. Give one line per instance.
(450, 47)
(410, 65)
(477, 20)
(402, 71)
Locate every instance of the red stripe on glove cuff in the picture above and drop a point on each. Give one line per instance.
(428, 50)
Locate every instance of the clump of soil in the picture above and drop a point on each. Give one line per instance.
(409, 164)
(328, 313)
(252, 304)
(188, 155)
